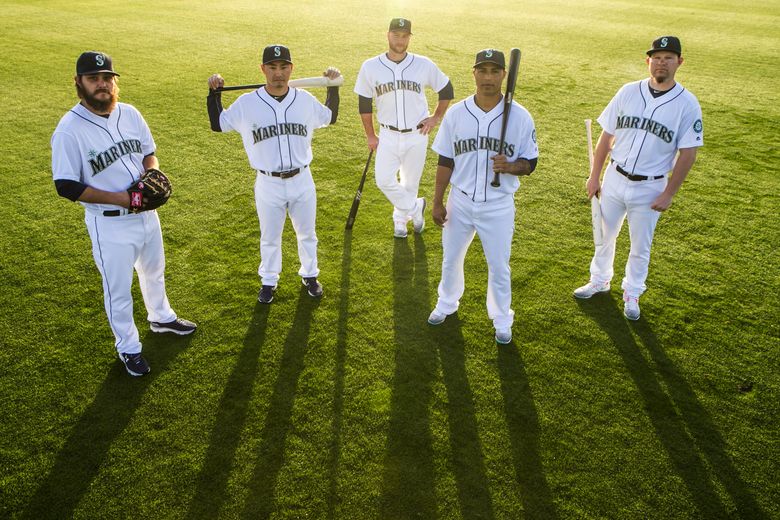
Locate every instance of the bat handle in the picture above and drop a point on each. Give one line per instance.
(496, 182)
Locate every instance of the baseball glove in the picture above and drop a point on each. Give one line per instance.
(149, 192)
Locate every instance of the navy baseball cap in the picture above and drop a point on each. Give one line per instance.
(93, 62)
(666, 43)
(276, 52)
(490, 56)
(400, 25)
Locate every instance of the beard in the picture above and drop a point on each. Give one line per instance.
(98, 105)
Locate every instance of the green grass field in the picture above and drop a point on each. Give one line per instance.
(353, 407)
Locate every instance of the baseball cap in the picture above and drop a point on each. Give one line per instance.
(490, 56)
(401, 25)
(666, 43)
(276, 52)
(93, 62)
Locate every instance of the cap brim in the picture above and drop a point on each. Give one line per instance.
(98, 72)
(490, 61)
(651, 51)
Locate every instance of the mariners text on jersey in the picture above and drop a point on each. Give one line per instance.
(485, 143)
(266, 132)
(644, 123)
(399, 84)
(101, 161)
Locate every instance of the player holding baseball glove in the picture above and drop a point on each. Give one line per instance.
(103, 156)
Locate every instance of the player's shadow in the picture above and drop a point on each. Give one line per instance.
(210, 491)
(468, 461)
(408, 487)
(524, 432)
(334, 454)
(112, 409)
(261, 498)
(683, 426)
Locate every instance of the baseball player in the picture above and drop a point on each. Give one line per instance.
(468, 148)
(99, 148)
(397, 80)
(646, 126)
(276, 123)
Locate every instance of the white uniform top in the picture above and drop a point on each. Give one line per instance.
(399, 88)
(104, 153)
(470, 137)
(277, 136)
(648, 131)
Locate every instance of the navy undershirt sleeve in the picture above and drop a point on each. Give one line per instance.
(214, 107)
(447, 162)
(364, 105)
(69, 189)
(332, 102)
(447, 93)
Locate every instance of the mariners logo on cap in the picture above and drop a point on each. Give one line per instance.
(400, 25)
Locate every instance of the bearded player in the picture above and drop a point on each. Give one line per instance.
(397, 80)
(99, 148)
(650, 127)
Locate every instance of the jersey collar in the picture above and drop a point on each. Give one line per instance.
(88, 114)
(288, 99)
(390, 63)
(471, 102)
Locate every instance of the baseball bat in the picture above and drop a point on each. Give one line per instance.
(514, 64)
(313, 82)
(356, 201)
(595, 204)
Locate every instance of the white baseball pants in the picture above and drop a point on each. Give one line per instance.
(494, 222)
(274, 199)
(400, 159)
(621, 198)
(120, 244)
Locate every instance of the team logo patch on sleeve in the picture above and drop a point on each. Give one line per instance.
(697, 126)
(533, 135)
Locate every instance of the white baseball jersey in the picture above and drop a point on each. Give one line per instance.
(399, 88)
(471, 137)
(648, 131)
(104, 153)
(277, 136)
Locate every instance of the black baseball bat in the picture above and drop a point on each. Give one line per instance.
(514, 64)
(356, 201)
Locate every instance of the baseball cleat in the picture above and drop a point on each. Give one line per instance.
(503, 336)
(631, 307)
(135, 364)
(418, 217)
(313, 287)
(266, 294)
(399, 230)
(589, 289)
(436, 317)
(178, 326)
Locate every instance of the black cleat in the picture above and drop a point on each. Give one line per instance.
(178, 326)
(135, 364)
(266, 294)
(313, 287)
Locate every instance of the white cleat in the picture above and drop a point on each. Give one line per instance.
(504, 336)
(399, 230)
(631, 307)
(589, 289)
(436, 317)
(418, 216)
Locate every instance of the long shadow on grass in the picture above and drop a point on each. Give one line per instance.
(104, 420)
(468, 461)
(261, 497)
(338, 383)
(408, 487)
(210, 492)
(673, 429)
(524, 430)
(700, 425)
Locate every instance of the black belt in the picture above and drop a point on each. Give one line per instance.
(632, 177)
(282, 175)
(403, 131)
(112, 213)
